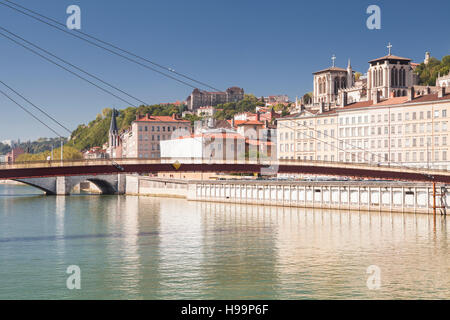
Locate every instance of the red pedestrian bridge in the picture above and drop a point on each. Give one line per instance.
(96, 167)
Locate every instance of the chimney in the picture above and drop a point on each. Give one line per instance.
(344, 100)
(376, 97)
(411, 94)
(441, 92)
(174, 116)
(258, 117)
(232, 123)
(428, 90)
(266, 123)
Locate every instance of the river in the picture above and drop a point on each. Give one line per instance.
(129, 247)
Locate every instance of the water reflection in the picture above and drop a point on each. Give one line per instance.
(159, 248)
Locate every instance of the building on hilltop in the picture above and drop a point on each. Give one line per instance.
(199, 98)
(273, 100)
(443, 81)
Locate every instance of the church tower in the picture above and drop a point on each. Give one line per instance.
(389, 74)
(327, 84)
(350, 81)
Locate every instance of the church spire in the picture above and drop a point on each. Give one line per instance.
(113, 125)
(349, 65)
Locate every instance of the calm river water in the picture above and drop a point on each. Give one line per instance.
(158, 248)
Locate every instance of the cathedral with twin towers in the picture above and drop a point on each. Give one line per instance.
(387, 76)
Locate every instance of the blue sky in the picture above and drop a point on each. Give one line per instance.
(266, 47)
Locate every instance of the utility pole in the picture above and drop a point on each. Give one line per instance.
(62, 152)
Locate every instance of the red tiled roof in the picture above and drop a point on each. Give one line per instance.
(244, 122)
(397, 100)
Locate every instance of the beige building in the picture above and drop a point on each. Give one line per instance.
(142, 139)
(411, 130)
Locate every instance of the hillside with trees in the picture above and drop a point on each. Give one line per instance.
(69, 153)
(227, 111)
(429, 72)
(33, 147)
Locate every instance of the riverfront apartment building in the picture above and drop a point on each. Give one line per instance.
(411, 130)
(142, 139)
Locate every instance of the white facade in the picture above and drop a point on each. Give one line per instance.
(182, 148)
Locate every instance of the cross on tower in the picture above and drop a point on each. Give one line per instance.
(333, 58)
(389, 47)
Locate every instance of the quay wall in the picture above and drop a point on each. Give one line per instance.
(347, 195)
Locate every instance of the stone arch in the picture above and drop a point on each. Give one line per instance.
(105, 186)
(108, 184)
(48, 185)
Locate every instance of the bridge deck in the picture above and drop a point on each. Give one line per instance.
(105, 166)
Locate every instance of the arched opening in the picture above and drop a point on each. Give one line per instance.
(36, 186)
(93, 186)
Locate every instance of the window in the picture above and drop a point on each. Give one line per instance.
(407, 116)
(444, 113)
(436, 113)
(414, 116)
(421, 115)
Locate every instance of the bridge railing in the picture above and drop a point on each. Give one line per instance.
(261, 162)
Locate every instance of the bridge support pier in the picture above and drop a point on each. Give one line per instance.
(62, 189)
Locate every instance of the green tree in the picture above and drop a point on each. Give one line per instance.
(429, 72)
